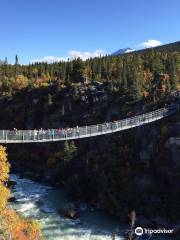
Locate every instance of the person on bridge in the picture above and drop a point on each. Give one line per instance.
(52, 131)
(62, 132)
(59, 131)
(35, 133)
(115, 125)
(107, 125)
(15, 131)
(41, 133)
(77, 131)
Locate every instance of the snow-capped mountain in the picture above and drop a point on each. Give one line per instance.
(122, 51)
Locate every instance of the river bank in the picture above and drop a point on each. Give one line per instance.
(42, 202)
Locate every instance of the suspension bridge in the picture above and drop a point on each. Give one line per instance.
(50, 135)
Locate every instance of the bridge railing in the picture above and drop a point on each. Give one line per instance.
(85, 131)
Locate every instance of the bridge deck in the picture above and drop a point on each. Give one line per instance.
(28, 136)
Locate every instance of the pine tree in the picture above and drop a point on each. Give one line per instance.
(17, 67)
(69, 151)
(16, 60)
(77, 70)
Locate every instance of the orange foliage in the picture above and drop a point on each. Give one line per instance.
(4, 165)
(12, 226)
(4, 170)
(19, 228)
(148, 76)
(20, 82)
(5, 193)
(41, 82)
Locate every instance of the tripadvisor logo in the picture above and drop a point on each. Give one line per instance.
(140, 231)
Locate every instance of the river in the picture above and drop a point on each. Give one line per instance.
(41, 202)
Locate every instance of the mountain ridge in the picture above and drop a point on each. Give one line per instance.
(122, 50)
(161, 47)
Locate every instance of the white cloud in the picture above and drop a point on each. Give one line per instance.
(71, 55)
(85, 55)
(150, 43)
(49, 59)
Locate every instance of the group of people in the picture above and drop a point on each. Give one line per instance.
(49, 133)
(40, 134)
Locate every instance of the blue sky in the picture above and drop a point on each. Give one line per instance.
(36, 29)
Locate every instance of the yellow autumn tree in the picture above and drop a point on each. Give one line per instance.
(5, 193)
(20, 82)
(12, 226)
(4, 170)
(4, 165)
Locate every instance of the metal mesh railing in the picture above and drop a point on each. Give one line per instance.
(20, 136)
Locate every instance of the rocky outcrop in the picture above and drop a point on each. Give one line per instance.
(173, 144)
(69, 211)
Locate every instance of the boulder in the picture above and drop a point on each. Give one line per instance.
(39, 202)
(12, 199)
(11, 184)
(83, 207)
(69, 211)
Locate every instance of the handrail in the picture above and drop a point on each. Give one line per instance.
(49, 135)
